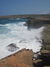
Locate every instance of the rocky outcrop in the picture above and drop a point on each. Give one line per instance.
(36, 22)
(12, 47)
(23, 58)
(46, 38)
(44, 59)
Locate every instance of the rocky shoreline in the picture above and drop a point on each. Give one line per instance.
(26, 57)
(37, 23)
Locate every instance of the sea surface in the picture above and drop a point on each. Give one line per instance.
(14, 31)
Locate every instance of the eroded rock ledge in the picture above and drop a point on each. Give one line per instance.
(37, 22)
(23, 58)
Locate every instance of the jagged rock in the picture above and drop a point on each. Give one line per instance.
(46, 38)
(12, 47)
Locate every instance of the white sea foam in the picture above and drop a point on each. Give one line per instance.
(22, 37)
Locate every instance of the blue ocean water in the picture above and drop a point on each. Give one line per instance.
(6, 21)
(3, 22)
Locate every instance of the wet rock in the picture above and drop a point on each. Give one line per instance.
(46, 38)
(12, 47)
(47, 34)
(36, 23)
(45, 51)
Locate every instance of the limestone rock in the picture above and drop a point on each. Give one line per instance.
(23, 58)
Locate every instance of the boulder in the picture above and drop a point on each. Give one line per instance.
(12, 47)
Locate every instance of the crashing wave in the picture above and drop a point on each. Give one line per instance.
(20, 35)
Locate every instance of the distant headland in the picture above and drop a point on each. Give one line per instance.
(27, 15)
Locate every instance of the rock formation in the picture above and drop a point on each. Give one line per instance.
(23, 58)
(12, 47)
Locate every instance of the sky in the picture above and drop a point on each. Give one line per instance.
(15, 7)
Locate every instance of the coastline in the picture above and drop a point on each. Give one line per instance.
(46, 38)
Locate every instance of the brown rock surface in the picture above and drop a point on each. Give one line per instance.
(21, 59)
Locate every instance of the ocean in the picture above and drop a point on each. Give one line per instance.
(15, 31)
